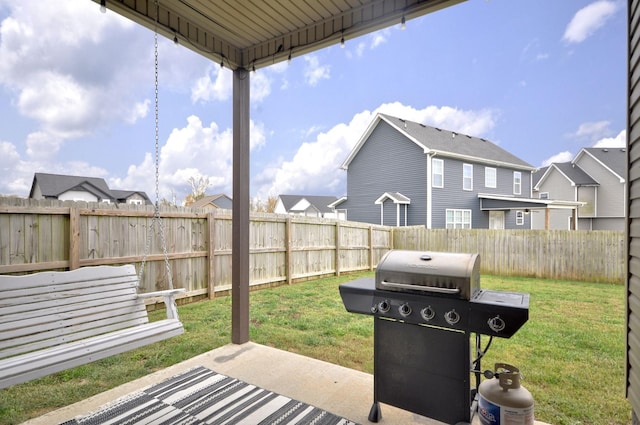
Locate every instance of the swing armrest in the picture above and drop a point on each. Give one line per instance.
(169, 301)
(167, 292)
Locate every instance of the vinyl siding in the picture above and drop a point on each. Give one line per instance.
(610, 202)
(588, 194)
(558, 219)
(633, 209)
(390, 162)
(558, 186)
(452, 196)
(387, 162)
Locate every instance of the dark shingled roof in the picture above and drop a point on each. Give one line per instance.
(447, 141)
(320, 202)
(53, 185)
(575, 174)
(614, 158)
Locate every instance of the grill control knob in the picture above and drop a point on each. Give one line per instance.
(404, 309)
(428, 313)
(384, 306)
(452, 317)
(496, 324)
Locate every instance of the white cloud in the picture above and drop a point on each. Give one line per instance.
(371, 41)
(42, 145)
(379, 37)
(314, 168)
(212, 87)
(217, 84)
(314, 72)
(565, 156)
(193, 150)
(8, 155)
(588, 20)
(620, 141)
(592, 130)
(62, 63)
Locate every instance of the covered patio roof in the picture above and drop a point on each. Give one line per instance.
(501, 202)
(250, 34)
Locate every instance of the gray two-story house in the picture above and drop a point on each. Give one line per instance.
(596, 178)
(404, 173)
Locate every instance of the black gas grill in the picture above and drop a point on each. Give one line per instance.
(426, 305)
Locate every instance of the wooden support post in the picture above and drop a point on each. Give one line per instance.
(287, 253)
(211, 255)
(547, 218)
(240, 214)
(370, 247)
(74, 238)
(338, 246)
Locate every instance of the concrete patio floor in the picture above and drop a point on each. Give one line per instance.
(342, 391)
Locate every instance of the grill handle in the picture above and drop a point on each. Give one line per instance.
(421, 288)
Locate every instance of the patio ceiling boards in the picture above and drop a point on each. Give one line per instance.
(257, 33)
(244, 35)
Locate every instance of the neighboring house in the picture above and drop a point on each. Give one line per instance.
(219, 201)
(596, 179)
(403, 173)
(308, 205)
(78, 188)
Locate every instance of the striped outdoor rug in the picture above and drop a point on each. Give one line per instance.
(201, 396)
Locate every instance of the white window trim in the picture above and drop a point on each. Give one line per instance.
(543, 195)
(519, 218)
(462, 224)
(495, 177)
(467, 166)
(517, 187)
(433, 173)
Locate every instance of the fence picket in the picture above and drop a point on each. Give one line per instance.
(36, 236)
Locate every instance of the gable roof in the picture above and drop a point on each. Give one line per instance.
(54, 185)
(123, 195)
(321, 203)
(444, 143)
(570, 171)
(613, 159)
(210, 200)
(396, 197)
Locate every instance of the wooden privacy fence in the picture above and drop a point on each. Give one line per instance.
(590, 256)
(283, 249)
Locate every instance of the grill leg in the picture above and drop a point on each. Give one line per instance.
(375, 414)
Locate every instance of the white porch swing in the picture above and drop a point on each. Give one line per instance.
(53, 321)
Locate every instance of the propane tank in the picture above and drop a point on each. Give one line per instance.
(503, 400)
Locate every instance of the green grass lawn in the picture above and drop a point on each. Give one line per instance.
(571, 352)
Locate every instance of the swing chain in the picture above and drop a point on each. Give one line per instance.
(156, 210)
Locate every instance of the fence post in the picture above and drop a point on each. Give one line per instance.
(287, 247)
(370, 247)
(74, 238)
(337, 248)
(211, 255)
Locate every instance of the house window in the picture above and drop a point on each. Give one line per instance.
(544, 195)
(437, 166)
(106, 201)
(519, 218)
(517, 182)
(458, 219)
(135, 201)
(490, 179)
(467, 176)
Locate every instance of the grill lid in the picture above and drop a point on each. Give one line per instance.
(451, 274)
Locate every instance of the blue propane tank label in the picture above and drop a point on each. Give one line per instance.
(496, 414)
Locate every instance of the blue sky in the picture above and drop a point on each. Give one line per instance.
(541, 78)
